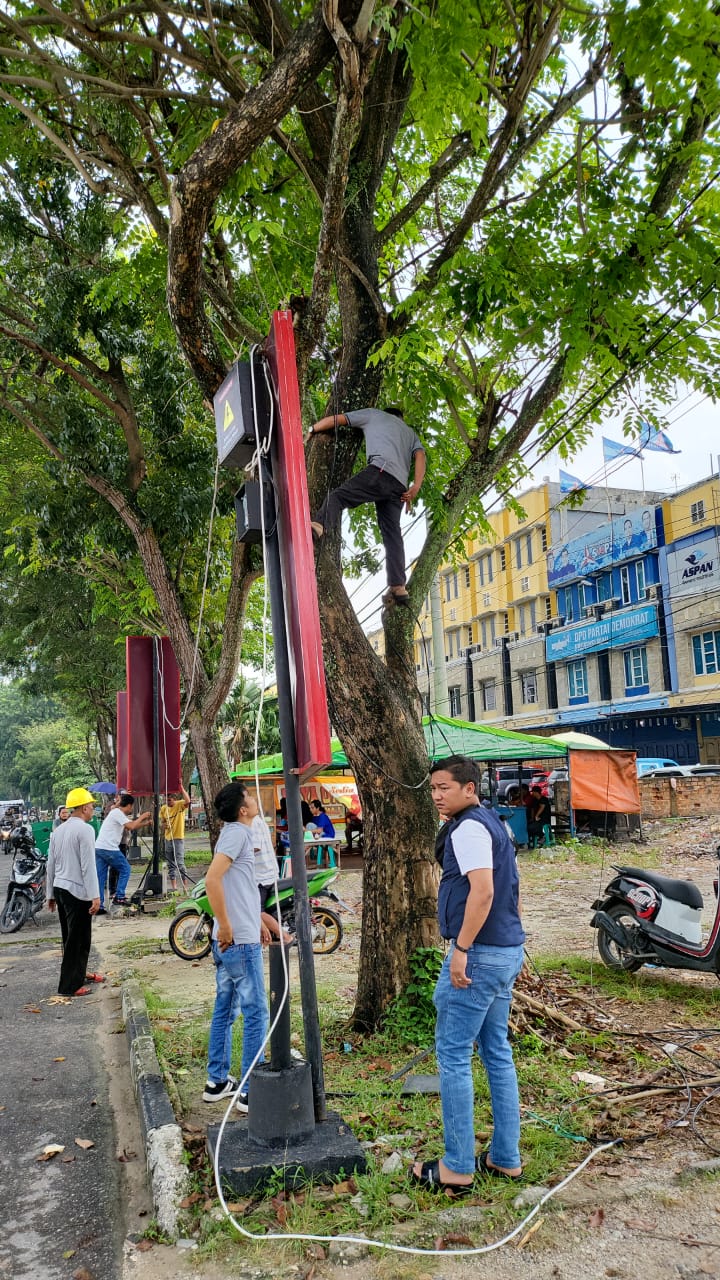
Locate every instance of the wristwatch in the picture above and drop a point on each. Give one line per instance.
(465, 950)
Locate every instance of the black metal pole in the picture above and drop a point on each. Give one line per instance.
(280, 1055)
(308, 992)
(156, 757)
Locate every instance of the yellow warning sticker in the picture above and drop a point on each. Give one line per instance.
(229, 416)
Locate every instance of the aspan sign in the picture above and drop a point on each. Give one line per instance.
(694, 569)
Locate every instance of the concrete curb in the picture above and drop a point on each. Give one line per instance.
(162, 1134)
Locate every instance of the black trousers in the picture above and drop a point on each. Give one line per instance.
(372, 485)
(76, 929)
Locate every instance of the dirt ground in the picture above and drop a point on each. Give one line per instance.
(633, 1211)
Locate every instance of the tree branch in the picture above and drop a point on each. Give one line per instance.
(205, 174)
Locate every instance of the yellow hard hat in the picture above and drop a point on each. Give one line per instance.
(77, 797)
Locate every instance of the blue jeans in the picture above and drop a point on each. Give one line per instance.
(240, 988)
(105, 858)
(478, 1014)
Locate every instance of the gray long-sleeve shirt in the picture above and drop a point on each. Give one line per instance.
(71, 860)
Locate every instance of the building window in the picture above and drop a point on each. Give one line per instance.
(466, 571)
(640, 578)
(543, 538)
(604, 586)
(524, 584)
(469, 635)
(489, 561)
(486, 599)
(518, 553)
(501, 559)
(453, 644)
(487, 694)
(528, 681)
(636, 668)
(488, 633)
(583, 599)
(520, 615)
(455, 700)
(505, 617)
(577, 678)
(706, 653)
(565, 603)
(625, 584)
(533, 616)
(548, 607)
(697, 512)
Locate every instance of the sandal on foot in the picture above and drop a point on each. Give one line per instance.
(82, 991)
(94, 977)
(482, 1166)
(396, 597)
(429, 1179)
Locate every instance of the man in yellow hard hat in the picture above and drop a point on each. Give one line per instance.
(73, 887)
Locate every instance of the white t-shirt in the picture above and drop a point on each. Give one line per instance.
(472, 846)
(108, 837)
(266, 867)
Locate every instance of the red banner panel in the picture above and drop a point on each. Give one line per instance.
(140, 658)
(312, 726)
(121, 741)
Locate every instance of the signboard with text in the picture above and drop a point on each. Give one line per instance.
(614, 631)
(695, 568)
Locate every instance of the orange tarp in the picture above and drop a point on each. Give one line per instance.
(605, 781)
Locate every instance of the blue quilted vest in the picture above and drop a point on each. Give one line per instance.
(503, 927)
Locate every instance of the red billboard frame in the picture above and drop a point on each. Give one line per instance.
(121, 740)
(302, 615)
(139, 661)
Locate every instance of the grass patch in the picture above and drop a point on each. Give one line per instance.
(560, 1118)
(136, 948)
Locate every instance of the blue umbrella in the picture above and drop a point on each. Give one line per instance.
(105, 788)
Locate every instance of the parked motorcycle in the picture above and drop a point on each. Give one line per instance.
(190, 934)
(646, 918)
(26, 890)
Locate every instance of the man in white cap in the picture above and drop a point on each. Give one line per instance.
(73, 888)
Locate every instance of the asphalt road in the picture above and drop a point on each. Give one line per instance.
(66, 1213)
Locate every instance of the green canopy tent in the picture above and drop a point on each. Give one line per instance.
(444, 737)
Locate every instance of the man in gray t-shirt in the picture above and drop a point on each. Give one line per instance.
(392, 448)
(238, 932)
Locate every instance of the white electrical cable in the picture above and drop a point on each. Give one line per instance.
(403, 1248)
(264, 448)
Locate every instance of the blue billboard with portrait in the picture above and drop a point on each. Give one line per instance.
(630, 535)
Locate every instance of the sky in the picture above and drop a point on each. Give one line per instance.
(693, 426)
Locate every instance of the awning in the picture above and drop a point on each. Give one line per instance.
(444, 737)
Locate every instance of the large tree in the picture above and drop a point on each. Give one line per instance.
(501, 214)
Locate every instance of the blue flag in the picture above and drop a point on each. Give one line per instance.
(571, 484)
(655, 439)
(611, 449)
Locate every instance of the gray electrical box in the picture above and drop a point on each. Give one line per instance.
(240, 423)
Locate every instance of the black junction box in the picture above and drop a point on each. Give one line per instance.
(248, 522)
(237, 414)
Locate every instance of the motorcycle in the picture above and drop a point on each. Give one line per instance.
(26, 890)
(646, 918)
(190, 934)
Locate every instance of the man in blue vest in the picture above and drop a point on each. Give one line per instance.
(479, 912)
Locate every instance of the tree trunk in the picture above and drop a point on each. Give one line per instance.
(380, 727)
(211, 765)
